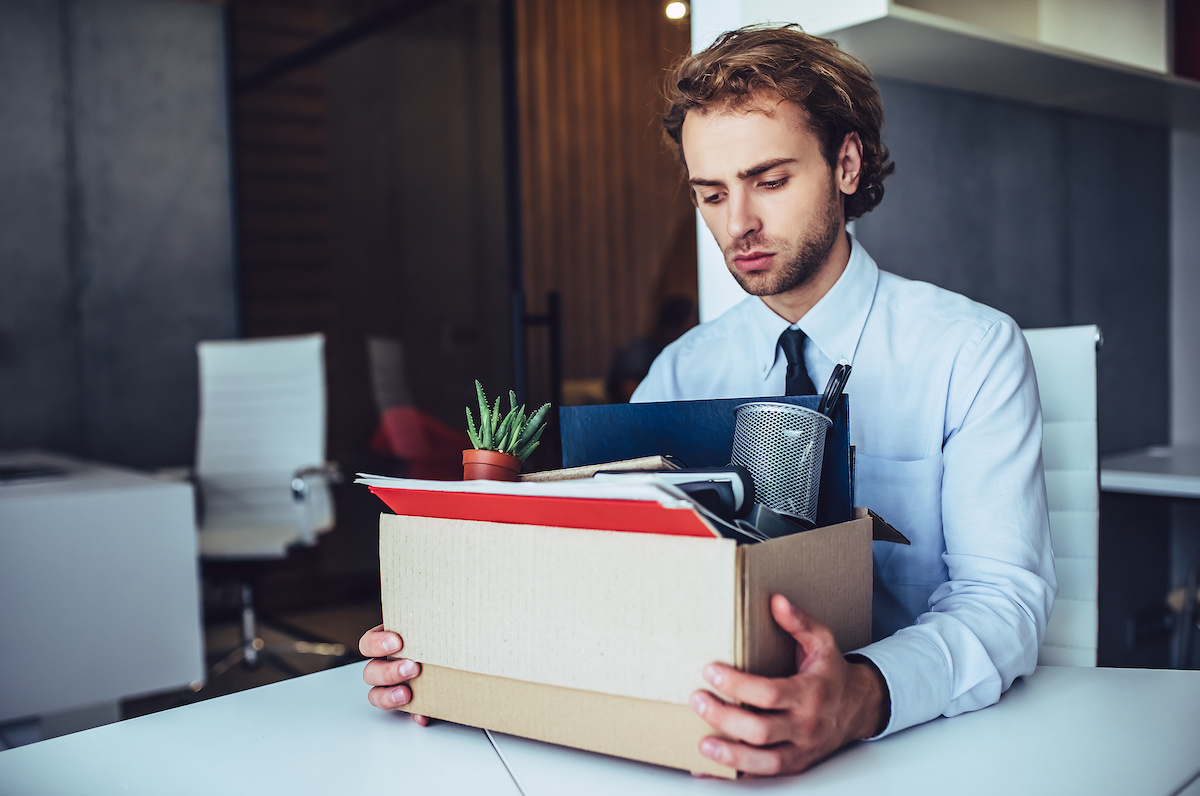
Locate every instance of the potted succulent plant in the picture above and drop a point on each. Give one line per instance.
(501, 443)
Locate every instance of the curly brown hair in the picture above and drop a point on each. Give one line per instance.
(834, 88)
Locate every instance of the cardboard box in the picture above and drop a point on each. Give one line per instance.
(595, 638)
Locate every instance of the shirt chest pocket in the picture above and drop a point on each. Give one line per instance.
(908, 494)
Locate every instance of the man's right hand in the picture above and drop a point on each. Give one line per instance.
(385, 675)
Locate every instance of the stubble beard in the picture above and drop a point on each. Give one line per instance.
(807, 260)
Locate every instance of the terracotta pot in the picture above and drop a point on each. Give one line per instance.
(490, 466)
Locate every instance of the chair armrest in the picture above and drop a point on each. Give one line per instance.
(329, 471)
(313, 520)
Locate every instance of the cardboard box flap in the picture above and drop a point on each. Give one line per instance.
(576, 597)
(881, 531)
(799, 567)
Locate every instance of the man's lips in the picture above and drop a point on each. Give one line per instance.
(752, 261)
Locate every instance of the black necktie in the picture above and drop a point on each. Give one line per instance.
(798, 382)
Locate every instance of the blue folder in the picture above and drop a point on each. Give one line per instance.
(700, 434)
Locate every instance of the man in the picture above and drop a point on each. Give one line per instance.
(778, 133)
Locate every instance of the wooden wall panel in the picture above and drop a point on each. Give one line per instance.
(286, 274)
(606, 220)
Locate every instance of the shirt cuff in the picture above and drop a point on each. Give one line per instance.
(917, 677)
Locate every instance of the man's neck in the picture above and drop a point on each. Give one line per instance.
(795, 303)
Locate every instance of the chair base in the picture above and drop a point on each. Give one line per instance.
(253, 651)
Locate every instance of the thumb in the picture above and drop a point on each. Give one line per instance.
(813, 638)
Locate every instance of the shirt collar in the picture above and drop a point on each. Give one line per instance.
(834, 324)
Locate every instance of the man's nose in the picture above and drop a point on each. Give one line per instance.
(743, 218)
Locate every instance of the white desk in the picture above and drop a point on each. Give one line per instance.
(1165, 471)
(1062, 731)
(99, 586)
(309, 735)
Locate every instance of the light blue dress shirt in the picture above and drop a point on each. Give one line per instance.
(947, 427)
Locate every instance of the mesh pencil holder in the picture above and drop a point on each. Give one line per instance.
(783, 447)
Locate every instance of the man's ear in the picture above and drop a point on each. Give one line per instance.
(848, 166)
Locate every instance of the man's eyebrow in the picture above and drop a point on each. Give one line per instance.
(766, 165)
(753, 171)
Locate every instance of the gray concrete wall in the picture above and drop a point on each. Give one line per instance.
(1056, 219)
(41, 394)
(115, 226)
(1052, 217)
(1185, 337)
(1185, 287)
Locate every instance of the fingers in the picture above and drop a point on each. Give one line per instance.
(777, 725)
(389, 697)
(815, 638)
(392, 698)
(766, 693)
(816, 646)
(379, 643)
(767, 762)
(759, 729)
(788, 616)
(386, 672)
(386, 675)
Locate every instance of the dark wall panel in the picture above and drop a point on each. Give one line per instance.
(40, 398)
(116, 223)
(1051, 217)
(154, 217)
(974, 205)
(1120, 271)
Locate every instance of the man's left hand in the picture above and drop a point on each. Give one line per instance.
(784, 725)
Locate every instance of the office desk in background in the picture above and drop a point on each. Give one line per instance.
(1162, 471)
(1169, 474)
(99, 586)
(1060, 731)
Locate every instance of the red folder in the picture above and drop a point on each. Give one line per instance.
(644, 516)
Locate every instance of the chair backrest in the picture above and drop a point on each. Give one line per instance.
(262, 419)
(1065, 361)
(389, 373)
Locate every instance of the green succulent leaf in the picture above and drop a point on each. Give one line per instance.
(484, 433)
(527, 448)
(503, 432)
(533, 425)
(483, 404)
(516, 430)
(471, 432)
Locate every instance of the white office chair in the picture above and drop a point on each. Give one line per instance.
(1065, 361)
(262, 479)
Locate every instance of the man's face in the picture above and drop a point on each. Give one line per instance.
(765, 192)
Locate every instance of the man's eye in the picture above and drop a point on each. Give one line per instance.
(773, 184)
(711, 199)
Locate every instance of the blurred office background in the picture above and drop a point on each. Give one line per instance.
(479, 187)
